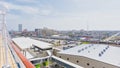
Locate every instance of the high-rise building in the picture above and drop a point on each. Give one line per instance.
(38, 32)
(20, 27)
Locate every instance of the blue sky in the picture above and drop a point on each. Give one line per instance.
(63, 14)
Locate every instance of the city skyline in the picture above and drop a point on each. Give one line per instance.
(63, 14)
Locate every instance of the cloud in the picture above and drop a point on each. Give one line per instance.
(24, 9)
(27, 1)
(97, 14)
(46, 12)
(28, 9)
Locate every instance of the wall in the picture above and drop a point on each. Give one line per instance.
(85, 62)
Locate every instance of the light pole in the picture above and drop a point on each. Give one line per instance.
(4, 38)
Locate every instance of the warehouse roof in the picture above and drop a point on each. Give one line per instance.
(100, 52)
(25, 42)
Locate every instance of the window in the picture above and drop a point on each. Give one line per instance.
(77, 61)
(56, 65)
(100, 55)
(45, 59)
(104, 50)
(79, 50)
(82, 49)
(101, 52)
(60, 56)
(88, 64)
(67, 58)
(85, 47)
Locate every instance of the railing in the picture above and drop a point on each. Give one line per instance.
(25, 61)
(16, 58)
(21, 60)
(14, 50)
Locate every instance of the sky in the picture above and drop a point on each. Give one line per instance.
(63, 14)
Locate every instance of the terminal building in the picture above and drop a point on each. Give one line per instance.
(32, 48)
(92, 56)
(38, 52)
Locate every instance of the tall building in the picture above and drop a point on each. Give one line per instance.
(38, 31)
(20, 27)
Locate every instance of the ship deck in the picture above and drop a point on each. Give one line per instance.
(10, 59)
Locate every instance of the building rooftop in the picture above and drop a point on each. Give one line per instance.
(99, 52)
(25, 42)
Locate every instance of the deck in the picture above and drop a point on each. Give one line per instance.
(11, 61)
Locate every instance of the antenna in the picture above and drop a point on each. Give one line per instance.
(87, 29)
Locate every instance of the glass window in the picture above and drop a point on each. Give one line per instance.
(88, 64)
(67, 58)
(77, 61)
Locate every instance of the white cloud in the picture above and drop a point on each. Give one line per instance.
(25, 9)
(97, 14)
(45, 12)
(29, 9)
(27, 1)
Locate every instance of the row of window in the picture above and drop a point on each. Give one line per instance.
(104, 50)
(85, 48)
(88, 64)
(68, 59)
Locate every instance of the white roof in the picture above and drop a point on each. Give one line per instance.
(40, 44)
(24, 42)
(100, 52)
